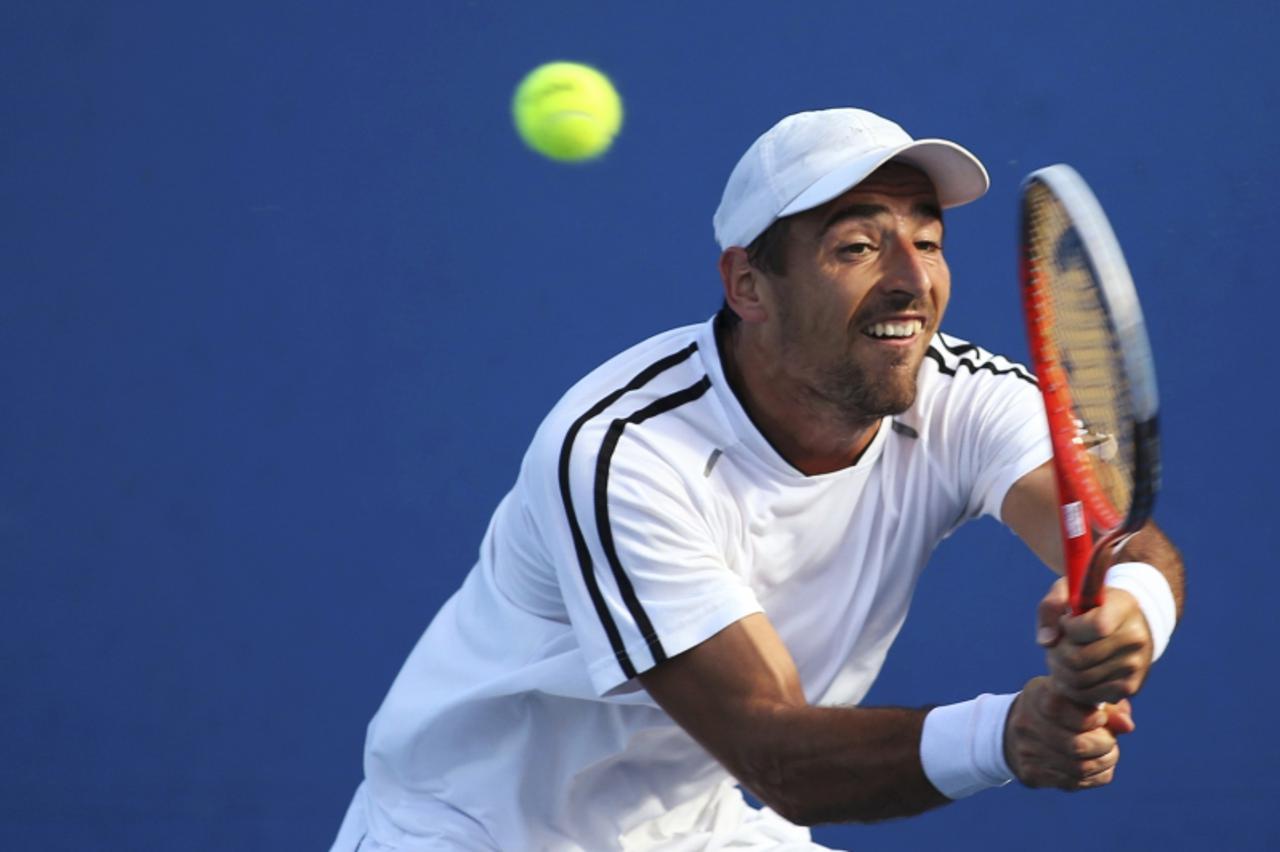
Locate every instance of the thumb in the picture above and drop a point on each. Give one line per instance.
(1049, 613)
(1120, 717)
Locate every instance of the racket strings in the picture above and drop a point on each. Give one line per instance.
(1083, 343)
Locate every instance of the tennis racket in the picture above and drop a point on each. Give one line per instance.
(1091, 355)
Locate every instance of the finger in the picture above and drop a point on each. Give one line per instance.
(1114, 680)
(1124, 665)
(1117, 608)
(1104, 694)
(1081, 771)
(1120, 724)
(1058, 711)
(1131, 637)
(1049, 613)
(1064, 749)
(1099, 765)
(1081, 629)
(1071, 750)
(1071, 776)
(1095, 780)
(1102, 779)
(1120, 718)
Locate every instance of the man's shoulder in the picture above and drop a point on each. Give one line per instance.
(654, 377)
(635, 368)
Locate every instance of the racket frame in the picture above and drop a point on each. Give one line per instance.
(1083, 504)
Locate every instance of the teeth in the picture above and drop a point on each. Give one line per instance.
(896, 329)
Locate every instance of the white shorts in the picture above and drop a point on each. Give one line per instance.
(753, 830)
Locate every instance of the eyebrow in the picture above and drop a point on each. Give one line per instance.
(923, 209)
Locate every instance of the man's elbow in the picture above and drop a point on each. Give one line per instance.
(769, 776)
(779, 783)
(811, 810)
(794, 809)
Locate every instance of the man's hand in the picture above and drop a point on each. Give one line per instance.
(1051, 741)
(1101, 655)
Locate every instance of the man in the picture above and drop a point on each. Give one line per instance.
(714, 539)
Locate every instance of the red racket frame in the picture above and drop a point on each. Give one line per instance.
(1082, 504)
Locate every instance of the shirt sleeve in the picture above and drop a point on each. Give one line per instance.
(1006, 434)
(636, 555)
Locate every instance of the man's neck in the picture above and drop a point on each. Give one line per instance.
(805, 430)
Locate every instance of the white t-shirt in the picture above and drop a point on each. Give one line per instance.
(648, 515)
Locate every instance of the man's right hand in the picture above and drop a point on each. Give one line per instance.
(1050, 741)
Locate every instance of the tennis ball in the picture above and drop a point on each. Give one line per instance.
(567, 111)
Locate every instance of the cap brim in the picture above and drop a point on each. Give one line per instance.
(958, 176)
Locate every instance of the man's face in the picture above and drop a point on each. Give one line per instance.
(864, 291)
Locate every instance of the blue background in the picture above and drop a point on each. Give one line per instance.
(283, 299)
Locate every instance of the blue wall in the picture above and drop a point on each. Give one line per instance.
(282, 299)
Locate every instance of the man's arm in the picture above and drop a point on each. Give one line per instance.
(1030, 509)
(739, 695)
(1104, 654)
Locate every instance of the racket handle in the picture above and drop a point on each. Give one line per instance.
(1090, 593)
(1094, 580)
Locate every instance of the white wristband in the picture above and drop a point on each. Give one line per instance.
(1151, 590)
(962, 745)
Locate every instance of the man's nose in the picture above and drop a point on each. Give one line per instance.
(907, 272)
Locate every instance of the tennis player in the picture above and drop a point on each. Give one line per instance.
(714, 539)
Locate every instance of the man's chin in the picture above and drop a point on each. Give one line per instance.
(897, 392)
(898, 404)
(868, 395)
(883, 401)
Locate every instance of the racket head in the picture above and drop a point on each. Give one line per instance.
(1090, 350)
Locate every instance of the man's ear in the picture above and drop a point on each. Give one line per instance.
(745, 290)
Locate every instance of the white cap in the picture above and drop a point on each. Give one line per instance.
(809, 158)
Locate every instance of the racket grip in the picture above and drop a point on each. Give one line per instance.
(1090, 593)
(1094, 580)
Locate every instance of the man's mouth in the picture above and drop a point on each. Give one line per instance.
(903, 330)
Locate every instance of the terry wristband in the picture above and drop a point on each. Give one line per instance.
(1151, 590)
(962, 745)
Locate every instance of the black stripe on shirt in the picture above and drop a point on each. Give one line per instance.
(957, 348)
(579, 543)
(989, 366)
(903, 429)
(607, 447)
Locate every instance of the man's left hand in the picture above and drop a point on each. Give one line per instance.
(1102, 655)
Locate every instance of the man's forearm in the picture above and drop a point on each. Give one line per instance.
(739, 694)
(838, 764)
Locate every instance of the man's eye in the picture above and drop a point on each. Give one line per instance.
(856, 248)
(928, 246)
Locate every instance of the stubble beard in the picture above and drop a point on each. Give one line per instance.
(861, 396)
(857, 393)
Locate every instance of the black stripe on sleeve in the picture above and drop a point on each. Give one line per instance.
(607, 447)
(989, 366)
(957, 349)
(579, 543)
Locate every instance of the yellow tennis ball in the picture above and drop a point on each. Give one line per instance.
(567, 111)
